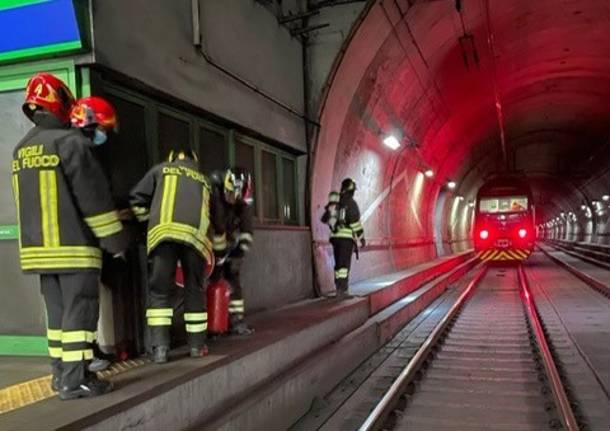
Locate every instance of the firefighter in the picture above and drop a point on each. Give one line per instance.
(96, 118)
(345, 233)
(232, 190)
(174, 197)
(65, 214)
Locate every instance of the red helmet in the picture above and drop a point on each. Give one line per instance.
(48, 92)
(93, 111)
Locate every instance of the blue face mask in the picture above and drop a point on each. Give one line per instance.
(99, 137)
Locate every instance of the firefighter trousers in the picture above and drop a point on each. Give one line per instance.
(72, 303)
(342, 250)
(163, 261)
(230, 271)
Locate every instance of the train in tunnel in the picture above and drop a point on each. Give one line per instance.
(504, 220)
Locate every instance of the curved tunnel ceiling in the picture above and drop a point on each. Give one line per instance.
(479, 86)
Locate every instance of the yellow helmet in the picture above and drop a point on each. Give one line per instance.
(181, 155)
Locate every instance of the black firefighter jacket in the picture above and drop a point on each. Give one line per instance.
(174, 197)
(64, 206)
(234, 234)
(350, 226)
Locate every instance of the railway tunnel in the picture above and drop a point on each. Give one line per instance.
(420, 102)
(469, 89)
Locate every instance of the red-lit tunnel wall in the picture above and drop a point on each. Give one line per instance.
(494, 85)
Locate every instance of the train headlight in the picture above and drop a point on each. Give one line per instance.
(484, 234)
(522, 233)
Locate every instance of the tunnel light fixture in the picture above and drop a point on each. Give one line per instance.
(471, 204)
(562, 214)
(391, 142)
(429, 173)
(606, 198)
(460, 198)
(451, 185)
(583, 207)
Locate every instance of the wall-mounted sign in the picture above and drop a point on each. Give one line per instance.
(30, 28)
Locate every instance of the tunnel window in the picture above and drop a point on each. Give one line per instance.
(213, 150)
(289, 183)
(244, 157)
(125, 156)
(275, 178)
(150, 129)
(269, 185)
(174, 134)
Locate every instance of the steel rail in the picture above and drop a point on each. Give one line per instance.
(387, 403)
(559, 394)
(586, 278)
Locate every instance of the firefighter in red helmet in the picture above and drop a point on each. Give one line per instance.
(49, 97)
(65, 213)
(96, 117)
(232, 191)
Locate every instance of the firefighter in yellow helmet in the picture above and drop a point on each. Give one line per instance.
(174, 198)
(233, 196)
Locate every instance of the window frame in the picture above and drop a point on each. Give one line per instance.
(215, 128)
(153, 107)
(279, 155)
(159, 109)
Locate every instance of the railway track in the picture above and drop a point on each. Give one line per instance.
(486, 365)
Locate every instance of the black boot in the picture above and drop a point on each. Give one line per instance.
(98, 364)
(92, 387)
(56, 376)
(160, 354)
(101, 361)
(343, 294)
(240, 327)
(56, 383)
(199, 352)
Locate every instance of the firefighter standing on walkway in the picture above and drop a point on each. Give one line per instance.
(65, 213)
(346, 231)
(174, 197)
(96, 118)
(232, 191)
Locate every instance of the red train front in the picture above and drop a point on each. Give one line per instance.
(504, 220)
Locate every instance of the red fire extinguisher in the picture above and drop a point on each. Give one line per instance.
(218, 307)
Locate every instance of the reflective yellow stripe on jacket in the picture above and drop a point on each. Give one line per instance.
(343, 232)
(60, 257)
(204, 217)
(180, 232)
(141, 213)
(168, 201)
(48, 208)
(17, 204)
(220, 242)
(105, 224)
